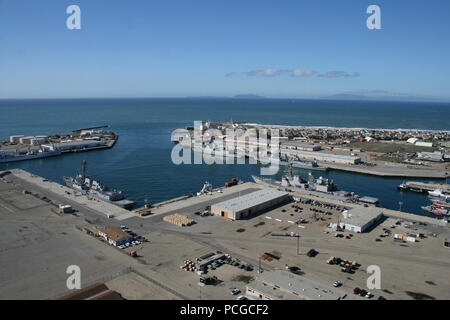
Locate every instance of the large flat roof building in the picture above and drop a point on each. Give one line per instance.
(249, 204)
(322, 156)
(284, 285)
(297, 145)
(435, 156)
(74, 145)
(360, 219)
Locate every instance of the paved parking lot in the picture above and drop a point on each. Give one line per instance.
(39, 244)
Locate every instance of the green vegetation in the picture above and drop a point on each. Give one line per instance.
(389, 159)
(389, 147)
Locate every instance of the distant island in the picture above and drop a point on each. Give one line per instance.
(381, 96)
(248, 96)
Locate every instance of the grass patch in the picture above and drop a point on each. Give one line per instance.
(388, 147)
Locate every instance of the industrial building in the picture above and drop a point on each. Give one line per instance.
(249, 204)
(38, 140)
(201, 264)
(436, 156)
(296, 145)
(15, 139)
(360, 219)
(284, 285)
(322, 156)
(424, 144)
(412, 140)
(115, 236)
(26, 140)
(73, 145)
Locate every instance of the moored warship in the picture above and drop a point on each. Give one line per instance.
(85, 184)
(319, 187)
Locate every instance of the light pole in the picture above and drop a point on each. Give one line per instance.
(200, 285)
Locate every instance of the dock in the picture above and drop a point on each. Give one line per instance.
(424, 187)
(108, 209)
(21, 148)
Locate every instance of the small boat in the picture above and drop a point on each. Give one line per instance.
(438, 211)
(438, 193)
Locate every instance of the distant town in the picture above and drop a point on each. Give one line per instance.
(380, 152)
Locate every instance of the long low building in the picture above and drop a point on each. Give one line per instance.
(249, 204)
(296, 145)
(115, 236)
(435, 156)
(323, 156)
(73, 145)
(284, 285)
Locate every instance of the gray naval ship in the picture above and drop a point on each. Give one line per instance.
(296, 183)
(317, 187)
(300, 164)
(85, 184)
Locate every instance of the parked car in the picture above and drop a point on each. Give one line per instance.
(312, 253)
(337, 284)
(356, 290)
(235, 291)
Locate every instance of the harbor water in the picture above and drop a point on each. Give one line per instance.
(140, 163)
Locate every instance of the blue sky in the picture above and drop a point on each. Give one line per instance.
(166, 48)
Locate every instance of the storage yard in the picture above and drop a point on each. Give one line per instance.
(179, 220)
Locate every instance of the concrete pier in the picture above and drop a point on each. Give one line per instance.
(426, 186)
(66, 192)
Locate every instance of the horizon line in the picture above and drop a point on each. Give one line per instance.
(236, 97)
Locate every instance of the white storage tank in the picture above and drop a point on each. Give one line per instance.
(15, 139)
(26, 140)
(38, 141)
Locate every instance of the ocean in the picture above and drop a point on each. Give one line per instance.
(140, 163)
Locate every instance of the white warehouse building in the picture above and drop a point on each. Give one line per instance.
(360, 219)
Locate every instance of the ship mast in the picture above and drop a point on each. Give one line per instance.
(83, 169)
(288, 170)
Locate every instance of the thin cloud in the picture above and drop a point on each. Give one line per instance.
(294, 73)
(338, 74)
(230, 74)
(302, 73)
(266, 72)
